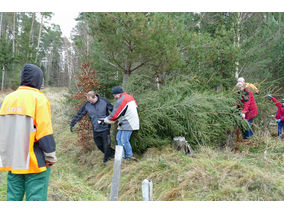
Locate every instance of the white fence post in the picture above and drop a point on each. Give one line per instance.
(147, 190)
(116, 174)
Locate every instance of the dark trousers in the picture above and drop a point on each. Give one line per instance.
(248, 133)
(102, 140)
(280, 127)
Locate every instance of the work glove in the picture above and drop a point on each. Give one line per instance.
(71, 128)
(279, 120)
(269, 96)
(101, 122)
(243, 115)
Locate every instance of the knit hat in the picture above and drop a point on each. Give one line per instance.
(117, 90)
(241, 79)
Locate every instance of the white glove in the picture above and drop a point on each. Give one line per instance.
(243, 115)
(107, 121)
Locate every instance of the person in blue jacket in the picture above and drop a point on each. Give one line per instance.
(97, 108)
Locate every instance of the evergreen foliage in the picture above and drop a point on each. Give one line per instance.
(180, 109)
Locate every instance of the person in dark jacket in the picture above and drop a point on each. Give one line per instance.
(97, 108)
(279, 115)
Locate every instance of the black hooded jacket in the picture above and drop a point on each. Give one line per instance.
(31, 76)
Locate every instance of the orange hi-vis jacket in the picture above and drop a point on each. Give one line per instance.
(252, 87)
(26, 136)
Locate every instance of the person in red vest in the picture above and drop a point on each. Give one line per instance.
(249, 109)
(280, 113)
(125, 111)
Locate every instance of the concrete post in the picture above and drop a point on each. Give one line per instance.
(116, 174)
(147, 190)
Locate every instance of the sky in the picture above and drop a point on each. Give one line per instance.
(66, 11)
(66, 20)
(64, 14)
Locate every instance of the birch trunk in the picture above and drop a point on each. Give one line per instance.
(14, 33)
(1, 18)
(238, 35)
(31, 33)
(39, 36)
(279, 55)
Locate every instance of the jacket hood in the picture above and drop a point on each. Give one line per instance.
(31, 76)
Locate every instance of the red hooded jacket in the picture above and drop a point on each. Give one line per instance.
(280, 112)
(249, 107)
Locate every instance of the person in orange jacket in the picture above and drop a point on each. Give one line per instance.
(27, 145)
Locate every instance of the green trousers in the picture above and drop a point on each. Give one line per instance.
(33, 185)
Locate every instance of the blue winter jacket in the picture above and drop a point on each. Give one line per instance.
(96, 111)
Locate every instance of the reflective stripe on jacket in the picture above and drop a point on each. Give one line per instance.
(26, 136)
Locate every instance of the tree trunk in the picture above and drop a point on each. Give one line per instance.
(125, 79)
(238, 35)
(14, 33)
(279, 55)
(126, 72)
(3, 78)
(49, 68)
(39, 36)
(1, 18)
(31, 33)
(219, 88)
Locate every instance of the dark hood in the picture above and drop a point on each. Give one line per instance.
(31, 76)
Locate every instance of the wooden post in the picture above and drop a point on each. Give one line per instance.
(147, 190)
(116, 174)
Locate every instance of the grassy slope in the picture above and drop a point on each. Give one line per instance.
(210, 175)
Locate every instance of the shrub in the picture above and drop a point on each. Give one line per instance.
(87, 80)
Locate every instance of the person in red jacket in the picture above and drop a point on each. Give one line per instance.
(280, 113)
(249, 109)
